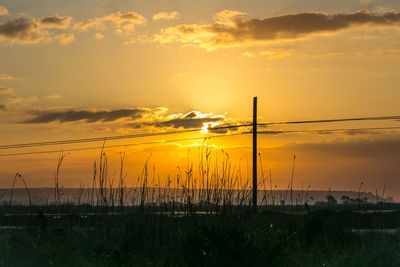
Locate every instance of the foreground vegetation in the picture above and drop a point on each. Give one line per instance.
(144, 236)
(201, 217)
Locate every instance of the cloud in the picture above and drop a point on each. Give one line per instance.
(271, 54)
(28, 30)
(54, 96)
(6, 91)
(14, 99)
(129, 17)
(131, 119)
(124, 22)
(166, 15)
(363, 132)
(98, 36)
(55, 21)
(278, 53)
(186, 122)
(233, 28)
(141, 39)
(6, 77)
(3, 10)
(22, 30)
(90, 24)
(227, 16)
(8, 97)
(224, 128)
(88, 116)
(65, 38)
(193, 119)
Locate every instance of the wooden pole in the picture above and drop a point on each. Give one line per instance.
(255, 154)
(291, 182)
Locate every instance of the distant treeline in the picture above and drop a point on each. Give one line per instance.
(133, 196)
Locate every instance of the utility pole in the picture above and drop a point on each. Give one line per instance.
(291, 182)
(255, 154)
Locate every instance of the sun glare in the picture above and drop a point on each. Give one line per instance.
(206, 125)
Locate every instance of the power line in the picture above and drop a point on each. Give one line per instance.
(332, 120)
(123, 145)
(116, 137)
(272, 132)
(131, 136)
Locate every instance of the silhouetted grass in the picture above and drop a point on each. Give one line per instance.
(200, 217)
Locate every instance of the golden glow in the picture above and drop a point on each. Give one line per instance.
(188, 64)
(207, 125)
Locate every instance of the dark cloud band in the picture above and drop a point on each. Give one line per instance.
(87, 116)
(55, 21)
(237, 30)
(23, 30)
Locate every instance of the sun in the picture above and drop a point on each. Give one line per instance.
(206, 125)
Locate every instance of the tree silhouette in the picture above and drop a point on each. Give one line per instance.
(331, 200)
(345, 200)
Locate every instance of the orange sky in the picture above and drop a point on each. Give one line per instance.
(80, 69)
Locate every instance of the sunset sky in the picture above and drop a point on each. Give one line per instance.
(86, 68)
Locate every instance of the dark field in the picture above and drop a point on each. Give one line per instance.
(188, 236)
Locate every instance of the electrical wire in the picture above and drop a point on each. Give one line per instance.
(332, 120)
(122, 145)
(131, 136)
(272, 132)
(117, 137)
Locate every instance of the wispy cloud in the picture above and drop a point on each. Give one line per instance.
(90, 24)
(271, 54)
(27, 30)
(233, 28)
(8, 97)
(278, 53)
(65, 38)
(166, 15)
(98, 36)
(123, 22)
(54, 96)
